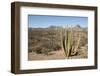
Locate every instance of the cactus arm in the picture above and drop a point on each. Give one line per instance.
(65, 41)
(62, 41)
(64, 46)
(70, 42)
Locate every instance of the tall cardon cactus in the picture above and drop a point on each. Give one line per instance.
(67, 42)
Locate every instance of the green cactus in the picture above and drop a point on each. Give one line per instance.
(67, 42)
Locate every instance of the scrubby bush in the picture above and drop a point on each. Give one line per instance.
(56, 47)
(38, 50)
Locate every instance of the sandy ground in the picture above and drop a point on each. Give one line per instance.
(82, 53)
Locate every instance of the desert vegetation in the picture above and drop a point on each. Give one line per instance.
(57, 43)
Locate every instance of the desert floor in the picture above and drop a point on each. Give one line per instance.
(53, 55)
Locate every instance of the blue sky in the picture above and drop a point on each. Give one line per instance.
(43, 21)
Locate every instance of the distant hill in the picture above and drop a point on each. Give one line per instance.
(74, 28)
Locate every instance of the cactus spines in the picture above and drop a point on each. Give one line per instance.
(67, 43)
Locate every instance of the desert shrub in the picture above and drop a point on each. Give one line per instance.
(29, 50)
(47, 45)
(41, 50)
(56, 47)
(45, 51)
(38, 50)
(84, 39)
